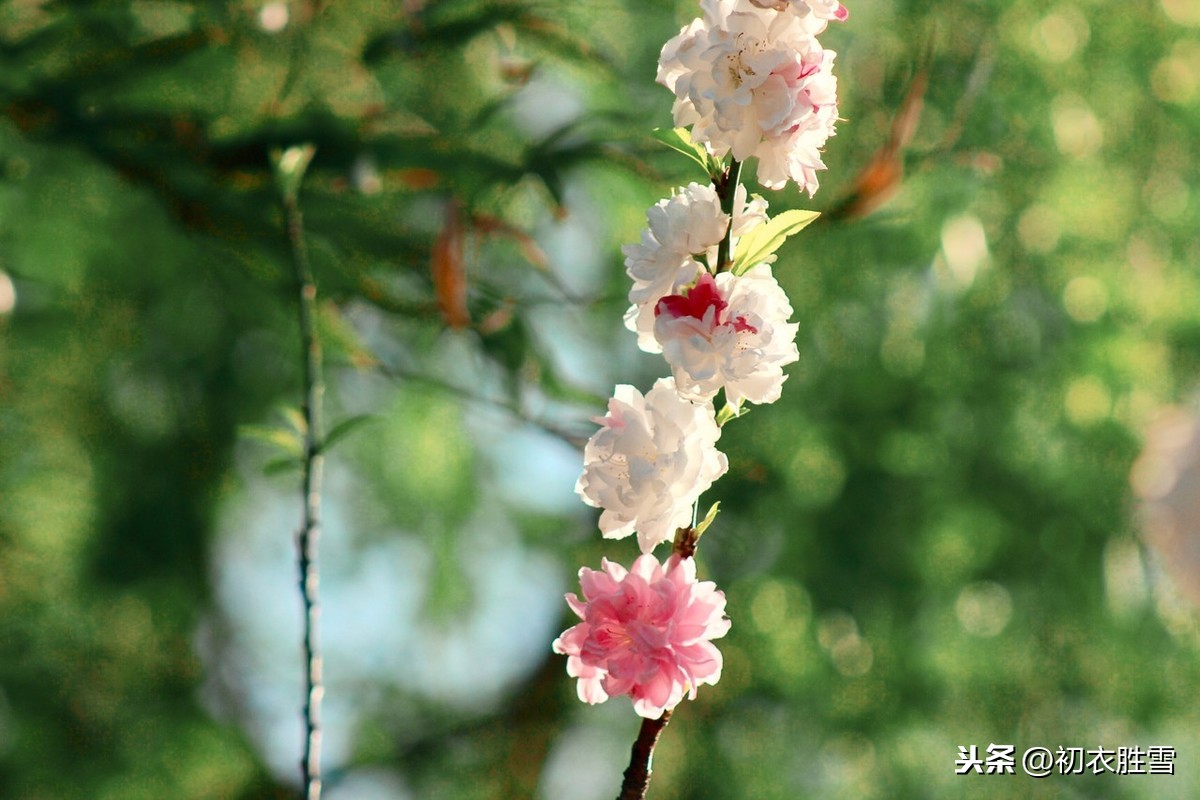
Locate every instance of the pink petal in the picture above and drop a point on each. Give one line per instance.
(614, 570)
(572, 640)
(576, 605)
(598, 584)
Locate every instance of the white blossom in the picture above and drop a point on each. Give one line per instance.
(817, 13)
(754, 81)
(679, 243)
(653, 456)
(677, 229)
(729, 333)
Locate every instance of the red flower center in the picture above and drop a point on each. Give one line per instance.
(696, 302)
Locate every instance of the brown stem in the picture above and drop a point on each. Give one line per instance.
(685, 542)
(313, 466)
(637, 775)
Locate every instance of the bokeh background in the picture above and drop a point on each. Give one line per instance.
(948, 532)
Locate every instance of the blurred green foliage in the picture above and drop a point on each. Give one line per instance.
(929, 542)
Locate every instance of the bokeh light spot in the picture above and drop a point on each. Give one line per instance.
(849, 761)
(983, 609)
(1077, 131)
(1167, 196)
(834, 627)
(853, 656)
(1085, 299)
(1059, 35)
(1088, 400)
(1184, 12)
(274, 17)
(1173, 81)
(1176, 78)
(778, 605)
(8, 294)
(769, 607)
(1039, 229)
(817, 473)
(965, 248)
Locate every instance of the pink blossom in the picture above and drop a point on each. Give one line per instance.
(645, 632)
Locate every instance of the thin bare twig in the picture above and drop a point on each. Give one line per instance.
(313, 468)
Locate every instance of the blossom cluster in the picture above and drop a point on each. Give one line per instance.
(751, 81)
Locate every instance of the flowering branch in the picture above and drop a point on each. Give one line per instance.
(290, 167)
(752, 81)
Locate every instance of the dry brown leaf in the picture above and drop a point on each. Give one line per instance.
(448, 269)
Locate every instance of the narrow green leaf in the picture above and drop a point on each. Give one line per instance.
(680, 140)
(295, 418)
(708, 519)
(287, 441)
(277, 466)
(760, 244)
(345, 427)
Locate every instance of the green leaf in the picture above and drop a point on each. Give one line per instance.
(760, 244)
(708, 519)
(280, 465)
(345, 427)
(680, 140)
(295, 418)
(287, 441)
(730, 411)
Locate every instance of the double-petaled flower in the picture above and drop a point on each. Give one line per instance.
(652, 458)
(730, 332)
(678, 243)
(645, 632)
(751, 79)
